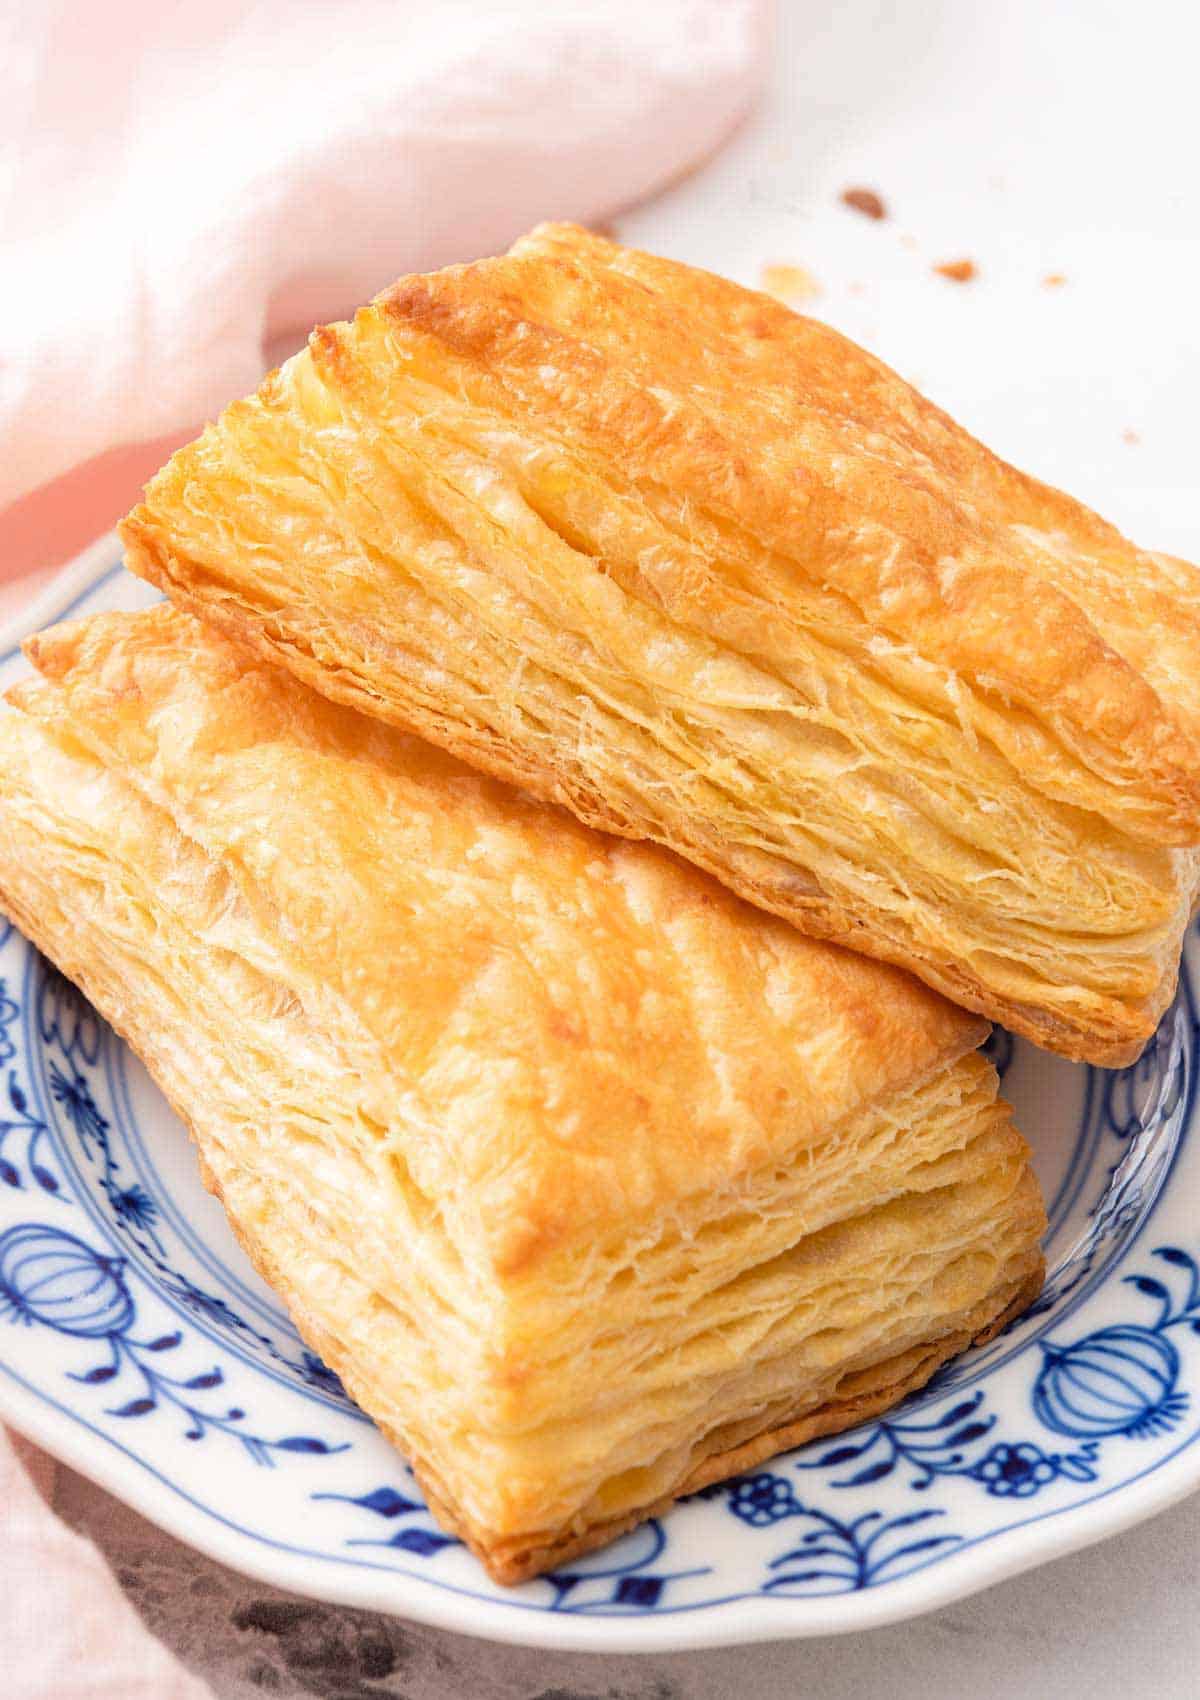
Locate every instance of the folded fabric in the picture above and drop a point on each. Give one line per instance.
(182, 180)
(67, 1630)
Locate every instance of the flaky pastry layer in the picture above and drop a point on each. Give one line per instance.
(655, 547)
(591, 1182)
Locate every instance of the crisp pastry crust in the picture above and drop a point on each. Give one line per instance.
(655, 547)
(593, 1183)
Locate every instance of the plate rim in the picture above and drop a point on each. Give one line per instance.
(733, 1622)
(111, 1465)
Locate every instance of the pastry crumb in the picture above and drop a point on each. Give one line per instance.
(602, 227)
(1129, 435)
(865, 201)
(958, 271)
(789, 284)
(1054, 280)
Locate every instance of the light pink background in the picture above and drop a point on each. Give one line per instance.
(184, 187)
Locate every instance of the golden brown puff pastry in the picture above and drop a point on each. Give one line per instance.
(593, 1183)
(656, 547)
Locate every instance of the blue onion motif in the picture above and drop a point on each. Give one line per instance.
(958, 1441)
(52, 1277)
(66, 1021)
(57, 1280)
(318, 1374)
(942, 1445)
(134, 1204)
(625, 1578)
(833, 1556)
(66, 1018)
(763, 1499)
(210, 1307)
(419, 1539)
(9, 1012)
(1016, 1471)
(16, 1119)
(17, 1122)
(1119, 1380)
(75, 1095)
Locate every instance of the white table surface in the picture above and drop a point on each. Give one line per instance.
(1032, 137)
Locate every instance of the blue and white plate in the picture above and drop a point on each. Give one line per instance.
(137, 1344)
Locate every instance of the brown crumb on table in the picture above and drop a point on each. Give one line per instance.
(603, 227)
(789, 284)
(865, 201)
(1129, 435)
(958, 271)
(1054, 280)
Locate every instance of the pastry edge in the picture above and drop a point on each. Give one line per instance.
(1110, 1042)
(510, 1567)
(510, 1560)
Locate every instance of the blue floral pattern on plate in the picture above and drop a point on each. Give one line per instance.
(135, 1339)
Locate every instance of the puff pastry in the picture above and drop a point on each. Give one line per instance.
(658, 548)
(592, 1182)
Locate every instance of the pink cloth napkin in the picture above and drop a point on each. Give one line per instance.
(182, 186)
(67, 1630)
